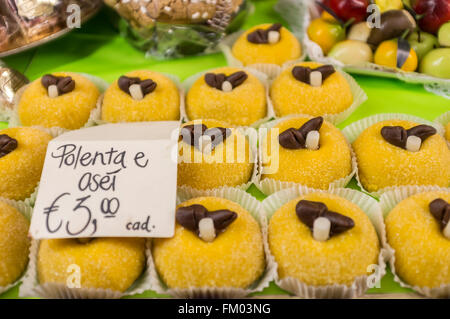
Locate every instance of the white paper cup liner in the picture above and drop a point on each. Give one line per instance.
(269, 69)
(355, 129)
(443, 120)
(32, 288)
(253, 206)
(96, 114)
(369, 206)
(269, 185)
(252, 137)
(99, 83)
(262, 78)
(26, 210)
(388, 201)
(359, 97)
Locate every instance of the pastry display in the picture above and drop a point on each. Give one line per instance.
(106, 263)
(213, 154)
(217, 243)
(58, 100)
(310, 88)
(223, 94)
(408, 37)
(419, 232)
(14, 244)
(141, 96)
(166, 28)
(401, 152)
(22, 155)
(267, 43)
(26, 21)
(309, 151)
(322, 239)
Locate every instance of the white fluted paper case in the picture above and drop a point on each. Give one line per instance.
(388, 201)
(269, 185)
(96, 114)
(32, 288)
(252, 137)
(261, 76)
(25, 209)
(99, 83)
(352, 131)
(370, 207)
(253, 206)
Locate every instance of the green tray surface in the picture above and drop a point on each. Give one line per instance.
(97, 49)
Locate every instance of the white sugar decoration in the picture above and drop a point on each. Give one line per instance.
(206, 229)
(205, 144)
(273, 37)
(196, 15)
(312, 140)
(226, 86)
(321, 229)
(315, 78)
(52, 91)
(446, 231)
(136, 92)
(205, 15)
(167, 9)
(413, 143)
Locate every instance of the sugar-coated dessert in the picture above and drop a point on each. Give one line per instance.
(14, 244)
(322, 239)
(141, 96)
(60, 99)
(419, 232)
(217, 243)
(22, 155)
(401, 152)
(310, 88)
(267, 43)
(224, 160)
(310, 152)
(107, 263)
(227, 94)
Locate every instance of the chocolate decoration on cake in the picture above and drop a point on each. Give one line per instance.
(261, 36)
(440, 209)
(63, 84)
(146, 86)
(309, 211)
(191, 217)
(7, 145)
(399, 136)
(306, 74)
(297, 138)
(192, 133)
(225, 83)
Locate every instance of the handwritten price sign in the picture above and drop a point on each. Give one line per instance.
(116, 180)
